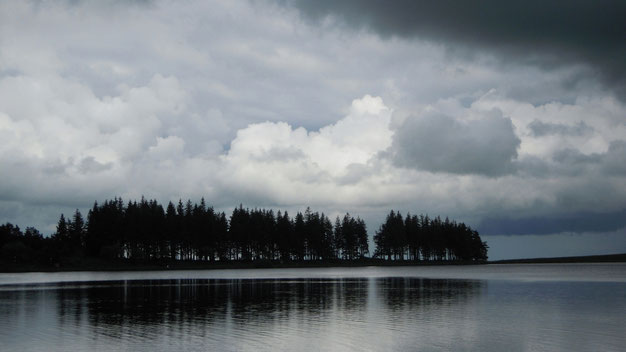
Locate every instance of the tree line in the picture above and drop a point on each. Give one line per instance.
(146, 231)
(422, 238)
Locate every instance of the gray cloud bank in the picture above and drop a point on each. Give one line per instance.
(613, 162)
(540, 129)
(547, 33)
(576, 223)
(436, 142)
(571, 162)
(247, 102)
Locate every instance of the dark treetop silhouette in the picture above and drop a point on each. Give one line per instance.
(146, 232)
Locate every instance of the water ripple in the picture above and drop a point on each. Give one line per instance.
(315, 314)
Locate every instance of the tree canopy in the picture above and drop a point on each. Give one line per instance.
(145, 230)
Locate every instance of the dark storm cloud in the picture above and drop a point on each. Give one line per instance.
(90, 165)
(577, 223)
(570, 162)
(613, 162)
(574, 157)
(439, 143)
(540, 129)
(615, 158)
(546, 33)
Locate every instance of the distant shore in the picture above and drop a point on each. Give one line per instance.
(608, 258)
(123, 265)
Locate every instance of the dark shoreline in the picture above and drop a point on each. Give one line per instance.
(97, 265)
(608, 258)
(121, 265)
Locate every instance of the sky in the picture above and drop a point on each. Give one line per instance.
(508, 116)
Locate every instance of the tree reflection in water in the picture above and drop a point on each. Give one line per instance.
(254, 309)
(394, 312)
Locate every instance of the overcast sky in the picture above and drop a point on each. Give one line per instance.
(509, 116)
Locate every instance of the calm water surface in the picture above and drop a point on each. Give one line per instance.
(551, 307)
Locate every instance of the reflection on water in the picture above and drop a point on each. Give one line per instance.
(225, 314)
(205, 302)
(394, 313)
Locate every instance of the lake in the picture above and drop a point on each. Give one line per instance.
(525, 307)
